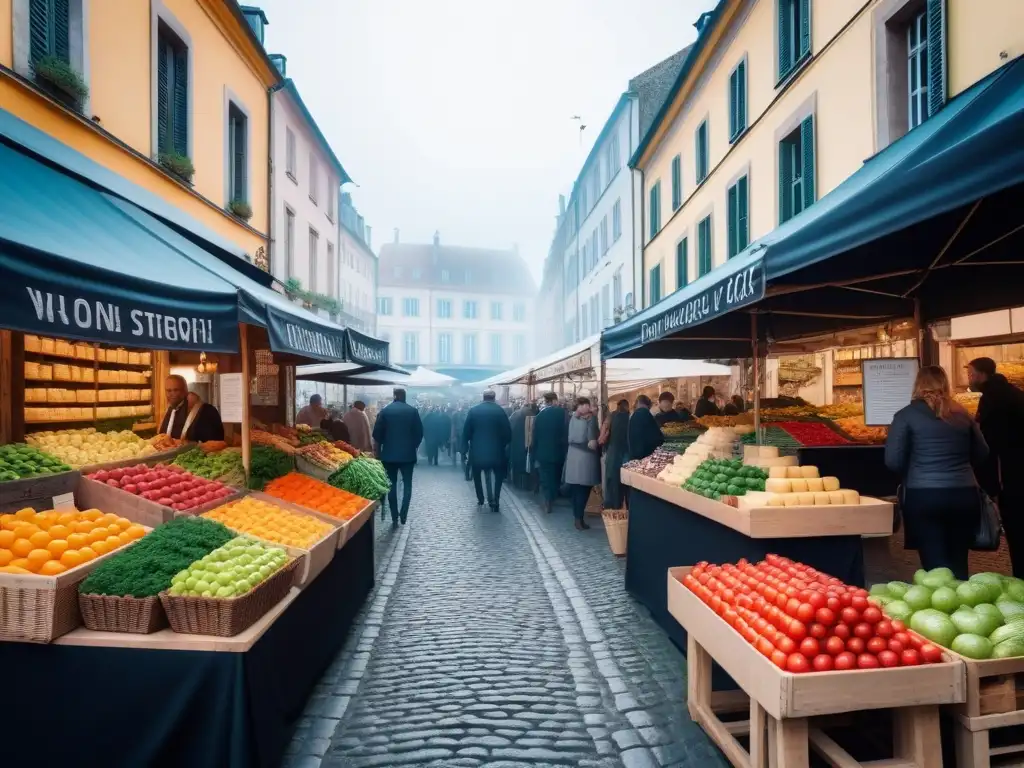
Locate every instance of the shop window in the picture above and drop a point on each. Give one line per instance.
(796, 170)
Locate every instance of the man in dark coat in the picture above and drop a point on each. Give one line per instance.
(188, 417)
(666, 409)
(707, 406)
(548, 446)
(397, 435)
(432, 438)
(444, 431)
(458, 449)
(1001, 418)
(518, 450)
(487, 434)
(644, 435)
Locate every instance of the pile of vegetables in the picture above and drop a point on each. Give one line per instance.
(716, 478)
(363, 476)
(311, 493)
(18, 461)
(259, 437)
(311, 438)
(267, 463)
(325, 455)
(224, 466)
(146, 568)
(772, 435)
(351, 450)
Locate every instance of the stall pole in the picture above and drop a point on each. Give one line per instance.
(344, 396)
(243, 332)
(602, 388)
(756, 353)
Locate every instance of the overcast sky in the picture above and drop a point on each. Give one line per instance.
(454, 115)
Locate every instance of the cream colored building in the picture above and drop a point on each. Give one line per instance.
(782, 100)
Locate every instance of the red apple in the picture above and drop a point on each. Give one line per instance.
(101, 477)
(164, 501)
(134, 489)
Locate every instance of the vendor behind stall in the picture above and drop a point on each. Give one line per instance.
(666, 410)
(707, 406)
(188, 417)
(314, 413)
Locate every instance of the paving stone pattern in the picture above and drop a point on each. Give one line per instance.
(499, 640)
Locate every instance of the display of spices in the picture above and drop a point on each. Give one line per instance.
(653, 464)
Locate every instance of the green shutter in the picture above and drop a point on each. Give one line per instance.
(936, 55)
(807, 147)
(734, 106)
(677, 182)
(733, 219)
(165, 143)
(655, 284)
(742, 216)
(180, 96)
(805, 27)
(785, 64)
(682, 264)
(785, 182)
(60, 21)
(39, 29)
(741, 97)
(239, 157)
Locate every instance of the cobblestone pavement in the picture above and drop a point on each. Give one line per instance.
(499, 640)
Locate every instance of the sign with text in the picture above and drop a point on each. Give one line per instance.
(888, 387)
(290, 333)
(581, 361)
(367, 350)
(232, 398)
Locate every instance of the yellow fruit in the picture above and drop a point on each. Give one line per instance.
(37, 557)
(67, 518)
(113, 542)
(100, 547)
(6, 539)
(40, 539)
(51, 568)
(136, 532)
(57, 547)
(10, 523)
(77, 540)
(113, 529)
(59, 531)
(87, 553)
(21, 547)
(25, 530)
(26, 514)
(71, 558)
(97, 534)
(107, 519)
(92, 515)
(44, 523)
(19, 562)
(124, 523)
(83, 526)
(6, 556)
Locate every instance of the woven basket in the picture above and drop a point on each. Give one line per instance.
(227, 617)
(616, 525)
(113, 613)
(38, 614)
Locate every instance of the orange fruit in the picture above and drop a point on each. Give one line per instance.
(21, 547)
(26, 514)
(71, 558)
(97, 534)
(51, 568)
(57, 547)
(83, 526)
(77, 540)
(44, 523)
(124, 537)
(87, 553)
(6, 539)
(68, 518)
(108, 518)
(99, 547)
(19, 562)
(10, 523)
(37, 557)
(92, 514)
(113, 542)
(59, 531)
(124, 523)
(6, 556)
(136, 532)
(25, 530)
(40, 539)
(113, 529)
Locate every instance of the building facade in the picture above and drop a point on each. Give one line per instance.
(307, 178)
(781, 100)
(169, 94)
(358, 269)
(464, 312)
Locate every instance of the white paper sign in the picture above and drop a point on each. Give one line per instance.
(232, 392)
(888, 386)
(66, 502)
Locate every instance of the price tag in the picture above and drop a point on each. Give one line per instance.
(65, 502)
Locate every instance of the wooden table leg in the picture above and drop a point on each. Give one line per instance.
(791, 748)
(698, 677)
(916, 736)
(972, 747)
(758, 730)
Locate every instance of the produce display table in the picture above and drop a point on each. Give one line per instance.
(187, 701)
(663, 534)
(991, 705)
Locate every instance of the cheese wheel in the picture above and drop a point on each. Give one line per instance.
(794, 472)
(835, 497)
(776, 500)
(806, 499)
(798, 486)
(850, 497)
(768, 452)
(776, 472)
(751, 451)
(831, 483)
(792, 500)
(815, 484)
(821, 499)
(808, 471)
(777, 485)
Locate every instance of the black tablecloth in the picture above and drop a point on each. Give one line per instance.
(663, 535)
(857, 466)
(111, 707)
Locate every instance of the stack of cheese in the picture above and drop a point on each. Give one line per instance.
(766, 457)
(802, 487)
(716, 443)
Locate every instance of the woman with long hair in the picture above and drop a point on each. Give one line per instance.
(934, 445)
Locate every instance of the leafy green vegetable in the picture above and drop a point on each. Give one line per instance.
(145, 569)
(268, 464)
(211, 465)
(364, 476)
(306, 438)
(18, 461)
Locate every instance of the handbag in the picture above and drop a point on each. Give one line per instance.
(989, 530)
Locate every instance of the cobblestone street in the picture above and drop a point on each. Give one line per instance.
(499, 640)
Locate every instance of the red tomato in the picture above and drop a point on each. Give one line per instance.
(867, 661)
(760, 623)
(791, 591)
(759, 604)
(817, 601)
(786, 644)
(871, 614)
(817, 631)
(850, 615)
(855, 645)
(793, 607)
(842, 631)
(860, 592)
(730, 616)
(798, 663)
(846, 598)
(834, 604)
(876, 645)
(779, 659)
(809, 647)
(895, 646)
(770, 593)
(902, 637)
(859, 602)
(822, 662)
(825, 616)
(716, 603)
(749, 634)
(772, 559)
(899, 626)
(781, 600)
(916, 641)
(863, 630)
(729, 596)
(883, 628)
(910, 658)
(797, 630)
(845, 660)
(930, 654)
(888, 659)
(805, 613)
(765, 647)
(834, 646)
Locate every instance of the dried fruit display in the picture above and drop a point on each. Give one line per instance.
(653, 464)
(854, 426)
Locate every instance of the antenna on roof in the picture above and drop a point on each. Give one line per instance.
(583, 126)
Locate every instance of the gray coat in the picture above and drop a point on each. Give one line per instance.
(582, 465)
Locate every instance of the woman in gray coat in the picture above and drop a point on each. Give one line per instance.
(582, 461)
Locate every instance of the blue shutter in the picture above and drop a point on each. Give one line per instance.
(677, 182)
(742, 216)
(734, 106)
(807, 147)
(682, 264)
(60, 21)
(39, 29)
(936, 55)
(785, 182)
(741, 97)
(733, 216)
(805, 27)
(785, 43)
(165, 142)
(180, 96)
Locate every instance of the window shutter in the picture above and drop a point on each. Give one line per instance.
(239, 159)
(784, 41)
(785, 182)
(734, 116)
(165, 143)
(180, 97)
(677, 182)
(805, 27)
(807, 146)
(742, 215)
(741, 97)
(936, 55)
(733, 209)
(682, 264)
(39, 29)
(61, 21)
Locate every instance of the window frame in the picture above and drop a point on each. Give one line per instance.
(289, 242)
(314, 179)
(163, 19)
(446, 305)
(313, 254)
(497, 305)
(290, 155)
(677, 182)
(469, 345)
(797, 55)
(442, 355)
(496, 345)
(414, 337)
(737, 220)
(654, 210)
(385, 306)
(469, 309)
(617, 220)
(519, 312)
(411, 306)
(78, 47)
(235, 109)
(682, 256)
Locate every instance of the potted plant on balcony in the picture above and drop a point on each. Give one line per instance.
(240, 209)
(177, 165)
(59, 79)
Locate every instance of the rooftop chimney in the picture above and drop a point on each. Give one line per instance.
(280, 61)
(702, 21)
(257, 20)
(396, 234)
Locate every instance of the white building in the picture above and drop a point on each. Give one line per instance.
(358, 269)
(465, 312)
(305, 179)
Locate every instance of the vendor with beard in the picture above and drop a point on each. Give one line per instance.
(188, 418)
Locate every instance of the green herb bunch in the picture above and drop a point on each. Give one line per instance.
(364, 476)
(266, 464)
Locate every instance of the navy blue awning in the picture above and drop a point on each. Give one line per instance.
(936, 209)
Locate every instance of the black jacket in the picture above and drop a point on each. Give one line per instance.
(666, 417)
(398, 432)
(517, 450)
(644, 435)
(706, 407)
(206, 426)
(929, 452)
(1001, 418)
(550, 439)
(488, 434)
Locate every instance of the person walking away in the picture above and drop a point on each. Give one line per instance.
(444, 431)
(358, 427)
(616, 454)
(706, 406)
(311, 415)
(1001, 418)
(397, 435)
(487, 434)
(517, 452)
(430, 436)
(582, 461)
(548, 446)
(643, 435)
(458, 422)
(666, 409)
(932, 445)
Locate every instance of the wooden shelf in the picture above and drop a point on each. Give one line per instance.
(80, 419)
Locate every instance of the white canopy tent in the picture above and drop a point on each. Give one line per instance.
(570, 359)
(420, 377)
(624, 375)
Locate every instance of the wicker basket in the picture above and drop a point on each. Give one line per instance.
(38, 614)
(616, 525)
(113, 613)
(227, 617)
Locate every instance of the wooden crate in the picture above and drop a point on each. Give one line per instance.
(163, 457)
(353, 525)
(36, 492)
(93, 494)
(870, 517)
(995, 699)
(783, 706)
(320, 554)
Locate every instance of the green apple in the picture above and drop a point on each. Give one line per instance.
(945, 599)
(202, 586)
(206, 593)
(226, 591)
(190, 583)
